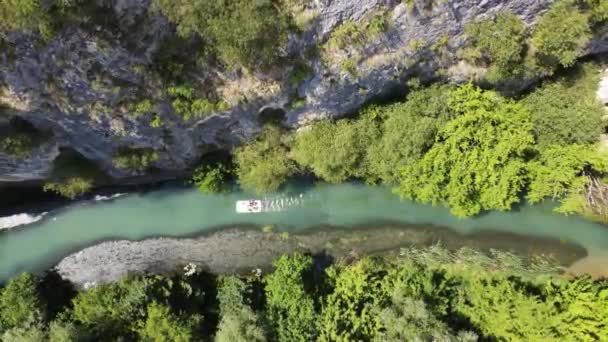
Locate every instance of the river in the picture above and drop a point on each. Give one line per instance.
(186, 212)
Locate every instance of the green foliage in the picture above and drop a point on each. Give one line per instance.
(336, 152)
(500, 309)
(349, 66)
(499, 42)
(408, 131)
(348, 311)
(353, 34)
(290, 309)
(478, 160)
(300, 73)
(583, 306)
(598, 10)
(21, 303)
(162, 325)
(136, 305)
(567, 111)
(65, 332)
(408, 319)
(135, 159)
(28, 15)
(71, 188)
(142, 107)
(561, 34)
(190, 107)
(156, 122)
(24, 334)
(231, 294)
(263, 166)
(210, 179)
(429, 294)
(560, 171)
(242, 325)
(17, 145)
(240, 32)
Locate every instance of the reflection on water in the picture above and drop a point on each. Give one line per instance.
(186, 212)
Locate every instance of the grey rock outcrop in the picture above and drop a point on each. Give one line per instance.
(82, 84)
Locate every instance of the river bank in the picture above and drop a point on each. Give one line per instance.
(241, 250)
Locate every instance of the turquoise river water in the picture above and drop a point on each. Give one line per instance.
(184, 212)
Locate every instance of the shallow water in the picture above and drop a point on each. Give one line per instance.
(183, 212)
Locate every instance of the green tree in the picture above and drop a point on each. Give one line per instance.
(499, 42)
(348, 312)
(71, 188)
(567, 111)
(408, 319)
(582, 307)
(561, 171)
(60, 331)
(263, 165)
(290, 309)
(32, 333)
(560, 35)
(161, 325)
(241, 325)
(478, 162)
(209, 179)
(27, 15)
(21, 304)
(336, 151)
(501, 309)
(598, 10)
(240, 32)
(135, 159)
(408, 131)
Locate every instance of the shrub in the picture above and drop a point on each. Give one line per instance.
(567, 111)
(560, 35)
(499, 42)
(336, 151)
(17, 145)
(27, 15)
(142, 107)
(21, 303)
(240, 326)
(263, 165)
(135, 159)
(71, 188)
(300, 73)
(162, 325)
(408, 131)
(190, 107)
(209, 179)
(240, 32)
(290, 309)
(354, 34)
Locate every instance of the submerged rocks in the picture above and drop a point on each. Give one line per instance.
(238, 250)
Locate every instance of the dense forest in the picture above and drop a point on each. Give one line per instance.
(423, 295)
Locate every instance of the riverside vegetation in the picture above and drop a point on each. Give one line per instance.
(425, 294)
(460, 146)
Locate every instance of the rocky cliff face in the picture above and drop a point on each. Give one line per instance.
(80, 86)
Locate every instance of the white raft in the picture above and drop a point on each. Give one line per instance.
(267, 205)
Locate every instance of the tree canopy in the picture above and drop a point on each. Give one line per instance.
(240, 32)
(336, 151)
(478, 161)
(263, 165)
